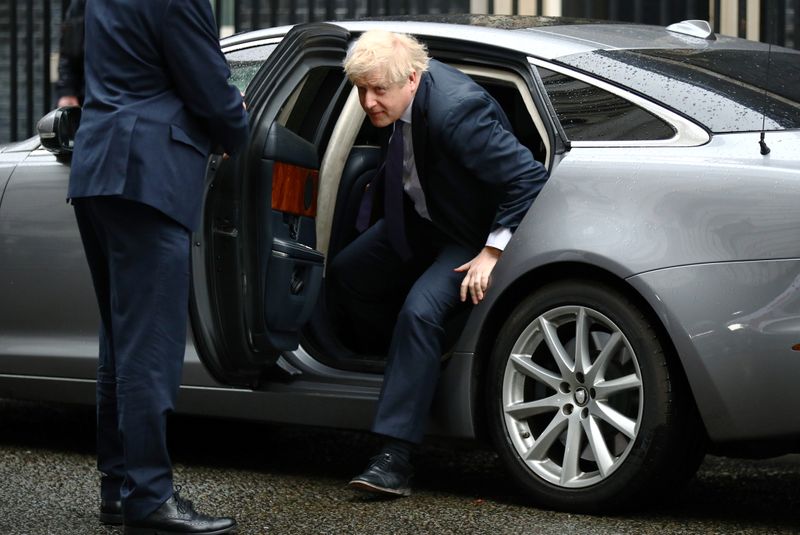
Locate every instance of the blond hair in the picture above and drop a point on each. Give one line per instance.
(392, 56)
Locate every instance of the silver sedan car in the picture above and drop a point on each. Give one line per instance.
(645, 312)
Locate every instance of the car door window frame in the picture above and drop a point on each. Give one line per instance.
(517, 81)
(687, 132)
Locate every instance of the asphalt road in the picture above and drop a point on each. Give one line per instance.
(290, 480)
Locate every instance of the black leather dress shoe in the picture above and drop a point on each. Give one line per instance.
(386, 474)
(177, 516)
(111, 512)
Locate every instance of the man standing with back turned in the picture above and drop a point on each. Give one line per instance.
(455, 185)
(157, 102)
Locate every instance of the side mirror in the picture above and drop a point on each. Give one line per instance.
(57, 129)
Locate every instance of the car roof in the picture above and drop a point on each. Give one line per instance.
(543, 37)
(726, 84)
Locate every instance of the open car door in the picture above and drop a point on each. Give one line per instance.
(257, 274)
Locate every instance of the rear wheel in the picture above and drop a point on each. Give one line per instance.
(584, 407)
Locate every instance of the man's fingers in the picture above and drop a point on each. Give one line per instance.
(477, 291)
(485, 281)
(476, 281)
(463, 290)
(478, 271)
(477, 287)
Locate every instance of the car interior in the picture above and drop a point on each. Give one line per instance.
(326, 328)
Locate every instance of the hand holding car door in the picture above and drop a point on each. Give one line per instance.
(157, 101)
(455, 184)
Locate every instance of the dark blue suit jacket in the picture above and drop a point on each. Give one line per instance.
(157, 102)
(475, 173)
(70, 53)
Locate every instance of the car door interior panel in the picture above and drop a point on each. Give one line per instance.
(267, 273)
(290, 269)
(295, 172)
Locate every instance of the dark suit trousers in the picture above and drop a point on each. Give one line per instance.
(365, 275)
(139, 261)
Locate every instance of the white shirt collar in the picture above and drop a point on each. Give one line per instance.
(406, 117)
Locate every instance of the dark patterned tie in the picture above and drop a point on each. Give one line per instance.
(393, 194)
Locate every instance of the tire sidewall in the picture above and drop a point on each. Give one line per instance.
(631, 481)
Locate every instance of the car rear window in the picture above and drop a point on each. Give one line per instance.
(724, 88)
(588, 113)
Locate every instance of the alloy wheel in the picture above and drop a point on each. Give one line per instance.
(572, 396)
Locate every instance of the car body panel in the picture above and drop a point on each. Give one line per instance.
(10, 156)
(736, 347)
(22, 146)
(669, 208)
(675, 209)
(41, 261)
(621, 36)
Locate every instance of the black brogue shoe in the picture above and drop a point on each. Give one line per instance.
(177, 516)
(386, 474)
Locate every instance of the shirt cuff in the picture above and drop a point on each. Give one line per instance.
(499, 238)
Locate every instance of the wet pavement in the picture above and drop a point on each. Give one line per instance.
(290, 480)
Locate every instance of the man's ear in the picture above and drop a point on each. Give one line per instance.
(413, 79)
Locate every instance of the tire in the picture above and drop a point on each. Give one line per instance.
(601, 433)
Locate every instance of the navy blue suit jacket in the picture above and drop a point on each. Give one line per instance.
(475, 173)
(70, 56)
(157, 101)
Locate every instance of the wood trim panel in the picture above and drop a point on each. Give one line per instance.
(294, 189)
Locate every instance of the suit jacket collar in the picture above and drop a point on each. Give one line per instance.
(419, 125)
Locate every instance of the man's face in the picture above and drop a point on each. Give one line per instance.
(383, 101)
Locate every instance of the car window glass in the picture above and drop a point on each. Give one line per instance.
(588, 113)
(246, 62)
(318, 97)
(729, 87)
